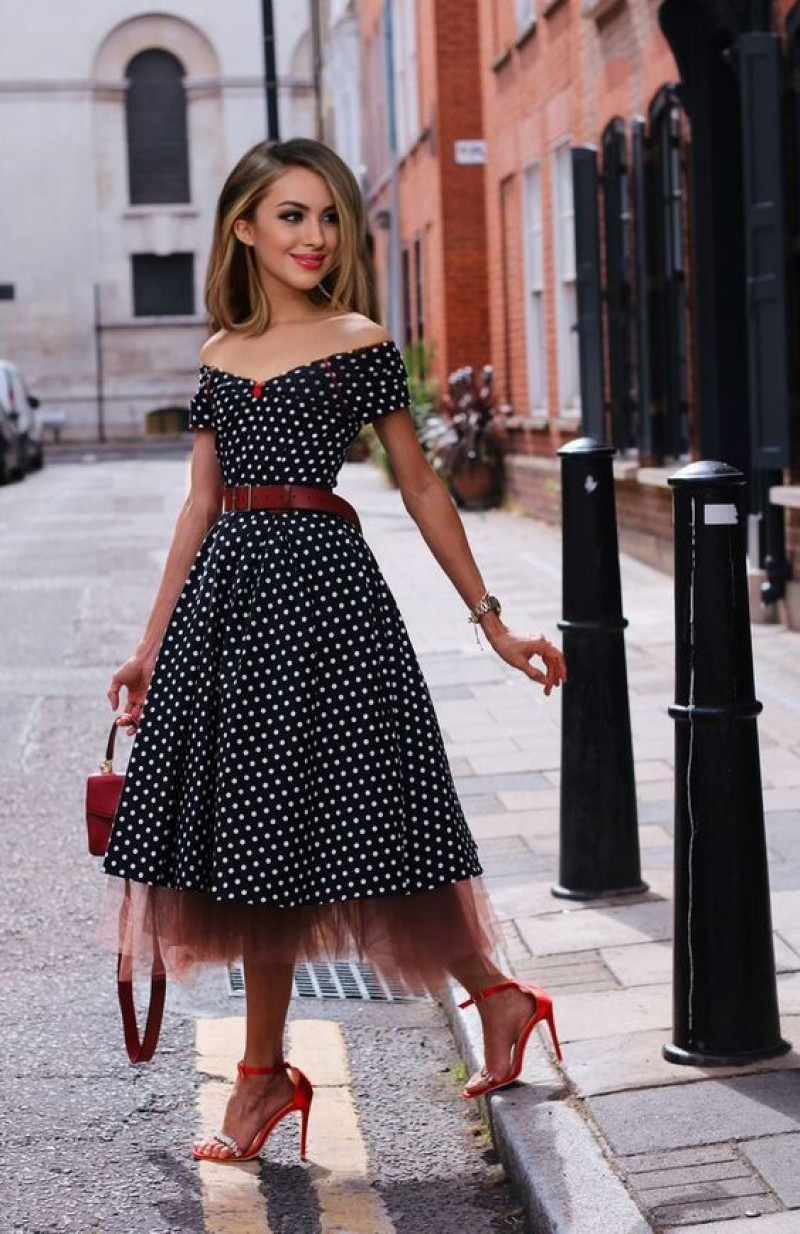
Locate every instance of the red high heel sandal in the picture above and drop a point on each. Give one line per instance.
(543, 1010)
(303, 1094)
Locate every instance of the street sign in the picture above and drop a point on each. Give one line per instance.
(472, 151)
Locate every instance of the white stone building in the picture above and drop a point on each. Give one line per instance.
(118, 124)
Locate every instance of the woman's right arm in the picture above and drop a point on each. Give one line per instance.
(199, 512)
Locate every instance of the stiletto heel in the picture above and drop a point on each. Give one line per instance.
(551, 1024)
(542, 1011)
(301, 1101)
(304, 1097)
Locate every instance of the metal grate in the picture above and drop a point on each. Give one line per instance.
(342, 979)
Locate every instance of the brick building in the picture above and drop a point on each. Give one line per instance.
(599, 74)
(425, 196)
(553, 79)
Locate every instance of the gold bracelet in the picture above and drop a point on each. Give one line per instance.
(487, 603)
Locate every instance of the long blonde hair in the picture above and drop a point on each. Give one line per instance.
(234, 296)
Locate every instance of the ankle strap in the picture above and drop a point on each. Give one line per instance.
(492, 989)
(243, 1068)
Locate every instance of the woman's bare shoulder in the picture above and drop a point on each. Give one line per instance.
(356, 330)
(209, 352)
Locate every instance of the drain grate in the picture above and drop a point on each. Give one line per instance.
(342, 979)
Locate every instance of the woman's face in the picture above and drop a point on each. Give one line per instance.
(295, 229)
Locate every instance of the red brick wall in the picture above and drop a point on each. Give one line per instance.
(564, 82)
(440, 201)
(459, 116)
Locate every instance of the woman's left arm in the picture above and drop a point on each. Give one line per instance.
(433, 510)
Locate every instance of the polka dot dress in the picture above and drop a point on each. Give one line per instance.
(288, 751)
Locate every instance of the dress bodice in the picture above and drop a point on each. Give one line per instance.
(296, 427)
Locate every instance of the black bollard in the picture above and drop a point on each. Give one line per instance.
(725, 1004)
(599, 830)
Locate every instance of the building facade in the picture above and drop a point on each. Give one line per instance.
(424, 175)
(554, 77)
(619, 298)
(118, 125)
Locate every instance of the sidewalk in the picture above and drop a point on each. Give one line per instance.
(617, 1140)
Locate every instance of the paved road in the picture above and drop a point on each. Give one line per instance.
(89, 1143)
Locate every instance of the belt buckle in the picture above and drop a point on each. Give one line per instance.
(249, 488)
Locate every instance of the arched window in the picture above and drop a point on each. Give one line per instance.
(155, 113)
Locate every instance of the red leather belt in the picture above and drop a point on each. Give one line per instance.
(287, 497)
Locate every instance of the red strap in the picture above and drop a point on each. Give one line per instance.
(140, 1050)
(245, 1069)
(492, 989)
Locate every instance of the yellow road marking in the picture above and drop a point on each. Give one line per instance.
(349, 1205)
(337, 1156)
(231, 1195)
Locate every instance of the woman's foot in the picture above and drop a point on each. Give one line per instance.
(503, 1017)
(255, 1098)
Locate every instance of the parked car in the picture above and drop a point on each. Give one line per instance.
(21, 434)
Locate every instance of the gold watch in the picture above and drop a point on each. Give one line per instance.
(487, 604)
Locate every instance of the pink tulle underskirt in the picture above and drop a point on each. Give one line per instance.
(414, 940)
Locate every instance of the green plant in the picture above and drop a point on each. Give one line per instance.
(459, 1072)
(418, 358)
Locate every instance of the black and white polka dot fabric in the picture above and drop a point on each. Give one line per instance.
(288, 751)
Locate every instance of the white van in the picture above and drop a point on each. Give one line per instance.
(21, 441)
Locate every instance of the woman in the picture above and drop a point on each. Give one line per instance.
(288, 794)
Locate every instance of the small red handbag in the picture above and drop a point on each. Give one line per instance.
(103, 792)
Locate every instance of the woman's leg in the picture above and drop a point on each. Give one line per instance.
(502, 1016)
(255, 1097)
(268, 988)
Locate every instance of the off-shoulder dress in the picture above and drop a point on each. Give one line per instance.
(288, 793)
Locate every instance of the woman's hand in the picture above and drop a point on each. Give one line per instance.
(135, 676)
(517, 649)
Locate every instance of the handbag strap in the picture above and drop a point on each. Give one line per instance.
(140, 1049)
(108, 762)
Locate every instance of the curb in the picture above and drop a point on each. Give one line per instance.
(563, 1179)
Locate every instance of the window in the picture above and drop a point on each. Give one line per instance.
(6, 291)
(163, 286)
(566, 289)
(509, 277)
(406, 85)
(526, 13)
(534, 288)
(155, 115)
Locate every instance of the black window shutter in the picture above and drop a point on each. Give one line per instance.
(418, 290)
(619, 281)
(587, 269)
(669, 375)
(793, 206)
(155, 114)
(765, 249)
(405, 259)
(642, 247)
